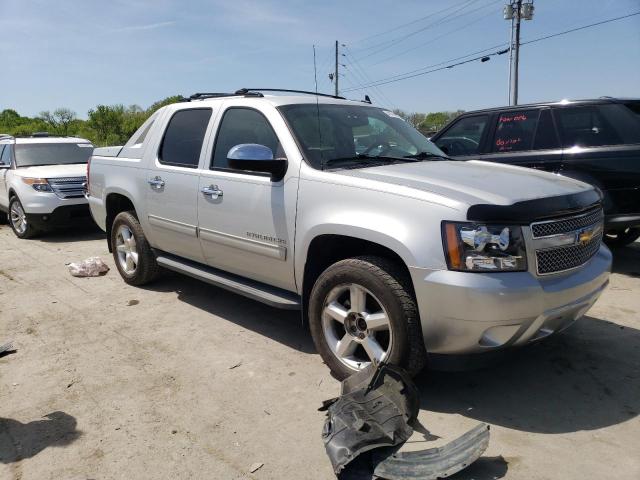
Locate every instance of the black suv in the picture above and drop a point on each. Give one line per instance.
(596, 141)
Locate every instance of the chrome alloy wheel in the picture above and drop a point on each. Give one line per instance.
(356, 326)
(126, 249)
(18, 218)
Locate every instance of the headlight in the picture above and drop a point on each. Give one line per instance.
(39, 184)
(479, 247)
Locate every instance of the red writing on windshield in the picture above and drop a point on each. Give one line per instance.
(512, 118)
(507, 144)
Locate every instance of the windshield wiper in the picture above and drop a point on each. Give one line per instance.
(362, 159)
(427, 155)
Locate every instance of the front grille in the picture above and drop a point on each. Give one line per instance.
(68, 187)
(558, 259)
(565, 225)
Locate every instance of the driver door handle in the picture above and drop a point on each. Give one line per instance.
(156, 182)
(212, 191)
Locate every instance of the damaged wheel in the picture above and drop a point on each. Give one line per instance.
(362, 309)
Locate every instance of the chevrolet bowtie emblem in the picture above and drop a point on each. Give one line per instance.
(585, 235)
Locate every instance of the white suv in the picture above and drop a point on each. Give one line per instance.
(42, 181)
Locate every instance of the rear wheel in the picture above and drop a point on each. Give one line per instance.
(131, 251)
(622, 237)
(18, 220)
(362, 310)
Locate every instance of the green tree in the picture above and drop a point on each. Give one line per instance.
(164, 103)
(107, 122)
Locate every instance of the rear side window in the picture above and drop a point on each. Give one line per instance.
(184, 137)
(598, 125)
(515, 130)
(463, 138)
(546, 136)
(243, 125)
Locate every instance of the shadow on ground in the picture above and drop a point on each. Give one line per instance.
(283, 326)
(485, 468)
(19, 441)
(83, 231)
(626, 260)
(583, 379)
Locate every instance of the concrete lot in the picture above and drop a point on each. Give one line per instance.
(183, 380)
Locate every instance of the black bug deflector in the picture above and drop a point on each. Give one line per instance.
(370, 421)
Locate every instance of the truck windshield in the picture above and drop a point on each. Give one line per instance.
(334, 135)
(39, 154)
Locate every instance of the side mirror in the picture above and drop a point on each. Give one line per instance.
(253, 157)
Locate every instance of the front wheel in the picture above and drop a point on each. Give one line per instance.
(18, 220)
(362, 309)
(131, 251)
(622, 237)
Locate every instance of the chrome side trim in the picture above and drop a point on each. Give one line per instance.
(278, 252)
(183, 228)
(261, 292)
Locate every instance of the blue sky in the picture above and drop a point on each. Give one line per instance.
(77, 54)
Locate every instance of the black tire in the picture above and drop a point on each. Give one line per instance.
(146, 269)
(29, 231)
(622, 237)
(392, 288)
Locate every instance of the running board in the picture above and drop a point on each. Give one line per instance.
(272, 296)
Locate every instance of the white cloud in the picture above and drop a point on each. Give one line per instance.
(149, 26)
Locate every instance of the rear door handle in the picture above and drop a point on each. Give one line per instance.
(156, 182)
(212, 191)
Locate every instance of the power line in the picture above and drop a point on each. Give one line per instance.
(449, 17)
(364, 76)
(477, 52)
(481, 57)
(407, 75)
(405, 25)
(580, 28)
(407, 50)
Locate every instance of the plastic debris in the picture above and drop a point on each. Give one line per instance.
(370, 421)
(255, 467)
(91, 267)
(6, 348)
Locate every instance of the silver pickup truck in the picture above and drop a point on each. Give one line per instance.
(341, 209)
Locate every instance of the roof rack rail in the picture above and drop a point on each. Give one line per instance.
(245, 91)
(5, 136)
(205, 95)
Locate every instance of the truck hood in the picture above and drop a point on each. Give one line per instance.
(53, 171)
(473, 182)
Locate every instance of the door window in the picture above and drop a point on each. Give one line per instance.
(5, 157)
(546, 137)
(515, 130)
(243, 125)
(184, 137)
(597, 125)
(463, 138)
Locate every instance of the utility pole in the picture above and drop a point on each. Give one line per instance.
(516, 11)
(336, 71)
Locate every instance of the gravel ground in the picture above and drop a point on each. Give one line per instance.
(182, 380)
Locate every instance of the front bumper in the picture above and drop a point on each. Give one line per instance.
(60, 217)
(465, 313)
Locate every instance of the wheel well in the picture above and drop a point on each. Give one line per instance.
(325, 250)
(115, 204)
